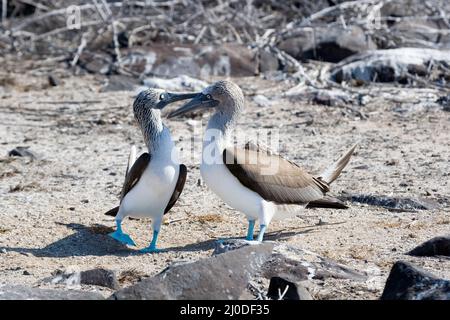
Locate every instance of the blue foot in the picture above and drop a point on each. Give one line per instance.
(152, 247)
(122, 238)
(150, 250)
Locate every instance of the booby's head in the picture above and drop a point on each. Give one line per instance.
(151, 101)
(224, 96)
(147, 112)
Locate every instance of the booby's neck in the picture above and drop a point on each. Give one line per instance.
(152, 129)
(220, 128)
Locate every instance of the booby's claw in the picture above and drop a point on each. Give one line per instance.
(122, 238)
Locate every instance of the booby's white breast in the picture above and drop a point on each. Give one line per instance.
(150, 196)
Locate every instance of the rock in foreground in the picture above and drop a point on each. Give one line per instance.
(407, 282)
(438, 246)
(18, 292)
(221, 277)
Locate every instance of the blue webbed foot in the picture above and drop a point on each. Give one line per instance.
(122, 238)
(151, 249)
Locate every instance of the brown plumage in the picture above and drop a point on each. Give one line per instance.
(288, 184)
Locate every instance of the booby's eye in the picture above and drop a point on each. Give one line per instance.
(162, 96)
(208, 96)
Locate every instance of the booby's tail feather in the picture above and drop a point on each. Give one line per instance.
(332, 172)
(327, 202)
(112, 212)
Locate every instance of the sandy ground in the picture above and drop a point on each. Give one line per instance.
(51, 209)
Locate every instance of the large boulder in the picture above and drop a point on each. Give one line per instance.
(392, 65)
(331, 44)
(407, 282)
(222, 277)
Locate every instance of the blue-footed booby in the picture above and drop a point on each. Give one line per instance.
(240, 176)
(155, 180)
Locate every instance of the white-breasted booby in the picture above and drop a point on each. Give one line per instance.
(239, 176)
(156, 179)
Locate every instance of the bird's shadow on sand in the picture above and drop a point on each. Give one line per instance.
(86, 241)
(94, 241)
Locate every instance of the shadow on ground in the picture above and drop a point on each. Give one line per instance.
(94, 241)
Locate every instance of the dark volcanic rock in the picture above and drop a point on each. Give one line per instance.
(294, 264)
(407, 282)
(222, 277)
(438, 246)
(21, 152)
(327, 43)
(100, 277)
(444, 101)
(18, 292)
(222, 246)
(291, 290)
(392, 203)
(96, 277)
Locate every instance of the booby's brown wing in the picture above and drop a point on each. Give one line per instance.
(135, 173)
(273, 177)
(132, 178)
(178, 188)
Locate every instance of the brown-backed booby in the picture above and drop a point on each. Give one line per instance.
(244, 177)
(156, 179)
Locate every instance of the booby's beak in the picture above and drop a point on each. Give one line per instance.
(200, 101)
(168, 98)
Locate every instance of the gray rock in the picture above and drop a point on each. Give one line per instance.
(438, 246)
(391, 65)
(294, 264)
(392, 203)
(22, 152)
(222, 277)
(282, 289)
(97, 277)
(95, 62)
(100, 277)
(19, 292)
(222, 246)
(444, 101)
(331, 44)
(407, 282)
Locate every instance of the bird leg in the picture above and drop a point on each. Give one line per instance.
(152, 247)
(251, 227)
(120, 236)
(262, 230)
